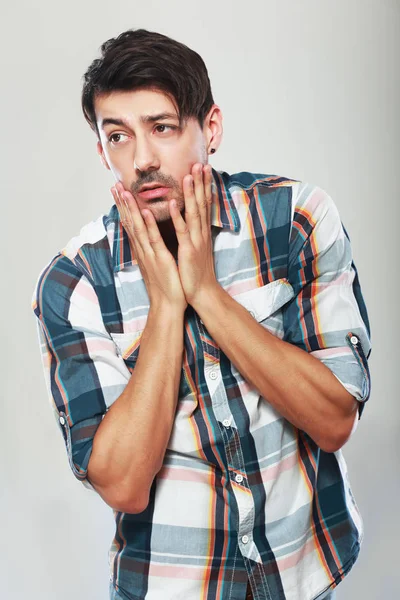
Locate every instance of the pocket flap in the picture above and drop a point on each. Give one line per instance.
(267, 299)
(127, 343)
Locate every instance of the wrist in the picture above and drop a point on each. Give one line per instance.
(165, 310)
(205, 298)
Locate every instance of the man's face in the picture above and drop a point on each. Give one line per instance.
(142, 143)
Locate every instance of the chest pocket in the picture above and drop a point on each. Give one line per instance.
(264, 302)
(127, 346)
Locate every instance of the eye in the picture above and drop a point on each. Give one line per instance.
(164, 127)
(116, 135)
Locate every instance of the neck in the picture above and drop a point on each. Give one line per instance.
(168, 234)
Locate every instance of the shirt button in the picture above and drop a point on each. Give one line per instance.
(213, 375)
(62, 420)
(226, 423)
(239, 478)
(245, 539)
(354, 340)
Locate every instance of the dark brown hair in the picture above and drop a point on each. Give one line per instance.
(146, 59)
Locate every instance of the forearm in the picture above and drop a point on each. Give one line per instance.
(130, 443)
(299, 386)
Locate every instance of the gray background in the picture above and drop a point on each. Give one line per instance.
(309, 90)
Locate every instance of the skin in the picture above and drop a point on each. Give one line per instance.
(122, 466)
(145, 152)
(305, 391)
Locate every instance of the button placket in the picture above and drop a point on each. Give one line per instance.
(236, 466)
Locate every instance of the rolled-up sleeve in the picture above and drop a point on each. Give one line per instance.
(84, 373)
(327, 316)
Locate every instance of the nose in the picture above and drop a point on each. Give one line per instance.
(145, 156)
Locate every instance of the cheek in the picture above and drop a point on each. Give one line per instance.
(122, 168)
(187, 157)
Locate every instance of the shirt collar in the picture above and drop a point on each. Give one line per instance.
(223, 215)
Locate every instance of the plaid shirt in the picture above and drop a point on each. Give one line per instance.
(243, 494)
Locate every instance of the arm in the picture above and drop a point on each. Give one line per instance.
(317, 396)
(115, 426)
(130, 443)
(298, 385)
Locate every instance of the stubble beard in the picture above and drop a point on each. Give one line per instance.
(160, 207)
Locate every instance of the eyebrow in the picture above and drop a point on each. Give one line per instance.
(143, 119)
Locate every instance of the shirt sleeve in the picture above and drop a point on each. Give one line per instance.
(327, 316)
(83, 371)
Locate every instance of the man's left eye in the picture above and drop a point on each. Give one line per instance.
(164, 127)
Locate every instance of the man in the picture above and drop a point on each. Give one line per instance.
(218, 443)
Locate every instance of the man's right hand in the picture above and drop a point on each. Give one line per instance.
(157, 265)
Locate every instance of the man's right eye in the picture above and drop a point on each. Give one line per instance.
(115, 135)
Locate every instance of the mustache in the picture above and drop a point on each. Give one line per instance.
(153, 177)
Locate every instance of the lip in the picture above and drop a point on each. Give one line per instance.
(153, 192)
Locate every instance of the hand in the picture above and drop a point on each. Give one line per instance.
(156, 263)
(195, 252)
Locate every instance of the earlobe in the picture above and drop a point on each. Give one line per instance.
(100, 152)
(214, 129)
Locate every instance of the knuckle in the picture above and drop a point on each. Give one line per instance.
(184, 229)
(154, 239)
(137, 229)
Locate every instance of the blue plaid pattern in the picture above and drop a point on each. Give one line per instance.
(243, 495)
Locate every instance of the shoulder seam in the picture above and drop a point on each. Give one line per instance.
(266, 183)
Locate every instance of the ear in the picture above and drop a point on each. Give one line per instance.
(213, 129)
(103, 159)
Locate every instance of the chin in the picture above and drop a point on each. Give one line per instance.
(161, 212)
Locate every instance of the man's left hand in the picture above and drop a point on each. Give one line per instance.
(195, 252)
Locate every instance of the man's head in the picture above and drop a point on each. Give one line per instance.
(148, 99)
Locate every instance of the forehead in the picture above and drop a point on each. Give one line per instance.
(132, 106)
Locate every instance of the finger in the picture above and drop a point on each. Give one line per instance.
(154, 236)
(127, 224)
(123, 210)
(137, 229)
(192, 213)
(130, 204)
(207, 177)
(199, 191)
(181, 228)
